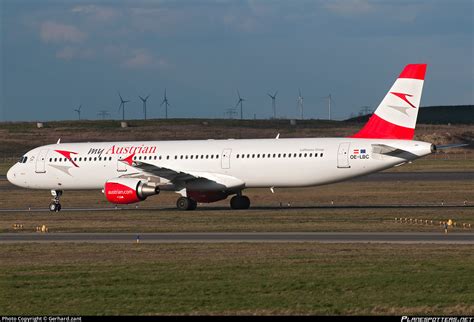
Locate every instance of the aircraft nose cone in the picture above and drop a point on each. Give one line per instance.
(11, 175)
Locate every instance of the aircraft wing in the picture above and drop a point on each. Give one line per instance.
(192, 179)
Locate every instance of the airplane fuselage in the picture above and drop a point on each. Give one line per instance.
(256, 162)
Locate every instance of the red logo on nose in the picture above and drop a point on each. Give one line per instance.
(403, 96)
(67, 155)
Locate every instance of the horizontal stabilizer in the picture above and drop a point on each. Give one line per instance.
(386, 150)
(450, 146)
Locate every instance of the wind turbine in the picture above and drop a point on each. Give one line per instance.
(329, 104)
(300, 102)
(122, 106)
(273, 97)
(165, 101)
(144, 104)
(78, 110)
(239, 101)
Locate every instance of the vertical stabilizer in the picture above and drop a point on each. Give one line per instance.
(395, 117)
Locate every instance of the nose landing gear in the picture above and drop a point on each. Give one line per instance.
(55, 206)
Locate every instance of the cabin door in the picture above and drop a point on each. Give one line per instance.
(343, 155)
(225, 158)
(41, 162)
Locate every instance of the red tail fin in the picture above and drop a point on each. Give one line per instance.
(395, 117)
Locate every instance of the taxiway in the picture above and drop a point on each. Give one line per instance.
(239, 237)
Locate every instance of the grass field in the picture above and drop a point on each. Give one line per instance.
(306, 278)
(243, 278)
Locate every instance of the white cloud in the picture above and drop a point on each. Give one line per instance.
(160, 20)
(100, 13)
(142, 58)
(242, 19)
(350, 7)
(69, 53)
(54, 32)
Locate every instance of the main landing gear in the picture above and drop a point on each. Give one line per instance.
(237, 202)
(185, 203)
(240, 202)
(55, 206)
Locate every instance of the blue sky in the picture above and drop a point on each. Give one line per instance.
(56, 55)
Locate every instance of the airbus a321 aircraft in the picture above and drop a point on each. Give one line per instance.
(206, 171)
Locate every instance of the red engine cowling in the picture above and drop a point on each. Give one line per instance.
(128, 190)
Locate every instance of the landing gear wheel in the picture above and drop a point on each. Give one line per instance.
(240, 202)
(193, 204)
(184, 203)
(54, 207)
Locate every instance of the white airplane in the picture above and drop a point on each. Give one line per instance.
(210, 170)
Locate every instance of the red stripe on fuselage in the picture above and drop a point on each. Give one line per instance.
(378, 128)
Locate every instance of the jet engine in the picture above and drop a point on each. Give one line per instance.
(128, 190)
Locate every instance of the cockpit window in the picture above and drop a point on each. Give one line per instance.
(23, 159)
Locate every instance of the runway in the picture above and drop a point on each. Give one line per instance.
(416, 176)
(229, 237)
(253, 208)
